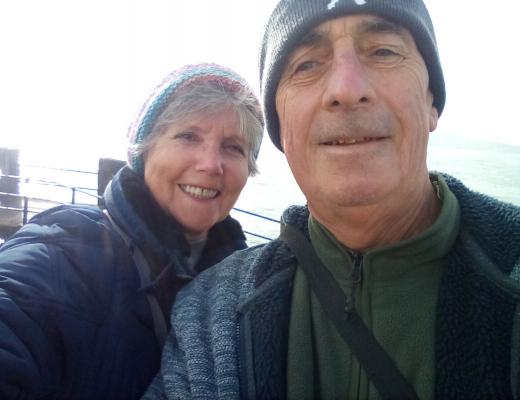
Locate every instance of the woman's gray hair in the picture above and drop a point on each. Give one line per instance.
(210, 97)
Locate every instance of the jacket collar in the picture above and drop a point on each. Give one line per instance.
(135, 210)
(132, 206)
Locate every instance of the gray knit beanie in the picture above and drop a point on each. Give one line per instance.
(292, 19)
(163, 94)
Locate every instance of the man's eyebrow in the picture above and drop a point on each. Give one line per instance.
(379, 26)
(376, 25)
(311, 39)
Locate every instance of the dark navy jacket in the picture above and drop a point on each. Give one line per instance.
(74, 322)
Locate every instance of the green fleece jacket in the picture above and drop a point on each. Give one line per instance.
(232, 321)
(394, 289)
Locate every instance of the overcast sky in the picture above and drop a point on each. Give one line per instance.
(73, 73)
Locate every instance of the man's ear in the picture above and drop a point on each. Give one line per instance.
(434, 118)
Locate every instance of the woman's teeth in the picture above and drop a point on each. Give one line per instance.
(199, 193)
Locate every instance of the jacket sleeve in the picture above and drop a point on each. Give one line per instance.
(171, 382)
(156, 390)
(29, 341)
(200, 355)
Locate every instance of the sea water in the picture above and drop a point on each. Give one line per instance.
(489, 168)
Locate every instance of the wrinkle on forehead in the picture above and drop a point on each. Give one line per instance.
(369, 24)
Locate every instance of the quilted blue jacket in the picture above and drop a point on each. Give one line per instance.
(75, 322)
(231, 323)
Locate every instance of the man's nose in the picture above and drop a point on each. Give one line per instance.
(210, 160)
(348, 84)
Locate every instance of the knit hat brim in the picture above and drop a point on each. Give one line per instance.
(163, 94)
(292, 19)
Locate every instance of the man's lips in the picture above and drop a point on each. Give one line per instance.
(199, 192)
(350, 141)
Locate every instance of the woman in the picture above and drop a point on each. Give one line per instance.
(84, 292)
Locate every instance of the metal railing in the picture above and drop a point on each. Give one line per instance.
(30, 205)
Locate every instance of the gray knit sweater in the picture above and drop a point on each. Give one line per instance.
(231, 323)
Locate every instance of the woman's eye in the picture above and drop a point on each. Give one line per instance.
(236, 148)
(187, 136)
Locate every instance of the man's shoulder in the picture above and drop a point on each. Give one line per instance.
(246, 266)
(471, 198)
(260, 261)
(490, 232)
(236, 278)
(486, 216)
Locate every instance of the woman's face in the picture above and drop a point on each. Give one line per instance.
(197, 168)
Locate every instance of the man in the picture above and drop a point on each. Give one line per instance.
(351, 91)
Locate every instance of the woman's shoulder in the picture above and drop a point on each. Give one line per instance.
(68, 254)
(64, 222)
(69, 215)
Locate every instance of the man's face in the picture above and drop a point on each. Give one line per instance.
(355, 113)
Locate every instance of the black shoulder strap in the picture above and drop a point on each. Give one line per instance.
(143, 268)
(378, 365)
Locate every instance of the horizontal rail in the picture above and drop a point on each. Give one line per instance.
(22, 210)
(30, 197)
(25, 179)
(83, 190)
(256, 215)
(59, 169)
(258, 235)
(80, 189)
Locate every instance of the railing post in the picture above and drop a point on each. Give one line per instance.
(25, 209)
(74, 195)
(25, 215)
(9, 170)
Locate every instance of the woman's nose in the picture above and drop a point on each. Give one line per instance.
(210, 160)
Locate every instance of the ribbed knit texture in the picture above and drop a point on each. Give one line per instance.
(163, 94)
(241, 306)
(292, 19)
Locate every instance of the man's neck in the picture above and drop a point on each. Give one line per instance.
(366, 227)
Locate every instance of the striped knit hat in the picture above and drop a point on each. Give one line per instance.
(163, 94)
(292, 19)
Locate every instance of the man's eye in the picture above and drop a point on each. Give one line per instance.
(385, 52)
(305, 66)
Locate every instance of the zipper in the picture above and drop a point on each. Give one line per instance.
(356, 276)
(246, 381)
(241, 362)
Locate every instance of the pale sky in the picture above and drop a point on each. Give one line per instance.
(73, 73)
